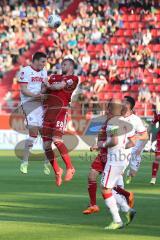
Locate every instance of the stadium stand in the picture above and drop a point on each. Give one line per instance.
(116, 45)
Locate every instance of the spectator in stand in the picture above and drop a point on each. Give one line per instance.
(144, 94)
(99, 84)
(147, 37)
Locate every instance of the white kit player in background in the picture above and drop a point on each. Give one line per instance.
(30, 80)
(141, 133)
(117, 142)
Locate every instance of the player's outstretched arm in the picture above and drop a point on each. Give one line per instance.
(57, 85)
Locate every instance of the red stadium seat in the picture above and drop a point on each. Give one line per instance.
(156, 80)
(132, 18)
(99, 47)
(108, 87)
(125, 17)
(120, 63)
(108, 95)
(117, 95)
(116, 88)
(148, 80)
(135, 88)
(119, 32)
(126, 25)
(152, 87)
(158, 88)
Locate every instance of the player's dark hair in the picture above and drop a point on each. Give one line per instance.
(71, 61)
(38, 55)
(131, 101)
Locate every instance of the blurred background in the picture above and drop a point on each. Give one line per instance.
(116, 46)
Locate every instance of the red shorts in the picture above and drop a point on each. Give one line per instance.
(99, 163)
(54, 124)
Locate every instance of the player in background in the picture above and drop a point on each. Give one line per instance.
(117, 142)
(30, 80)
(97, 168)
(59, 89)
(141, 133)
(155, 164)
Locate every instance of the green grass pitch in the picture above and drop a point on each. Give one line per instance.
(33, 208)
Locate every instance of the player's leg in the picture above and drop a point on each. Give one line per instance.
(134, 166)
(29, 142)
(70, 171)
(155, 167)
(92, 190)
(120, 190)
(97, 168)
(53, 161)
(108, 180)
(47, 134)
(124, 207)
(59, 126)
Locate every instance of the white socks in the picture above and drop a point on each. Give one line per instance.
(112, 205)
(28, 145)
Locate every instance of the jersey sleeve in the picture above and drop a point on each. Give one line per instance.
(23, 76)
(140, 128)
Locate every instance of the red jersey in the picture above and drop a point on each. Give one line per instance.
(61, 98)
(156, 118)
(102, 136)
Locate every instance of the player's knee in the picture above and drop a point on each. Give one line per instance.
(29, 142)
(93, 175)
(57, 140)
(47, 145)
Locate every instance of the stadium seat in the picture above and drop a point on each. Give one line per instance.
(135, 88)
(132, 18)
(156, 80)
(108, 87)
(158, 88)
(125, 17)
(116, 88)
(152, 88)
(108, 95)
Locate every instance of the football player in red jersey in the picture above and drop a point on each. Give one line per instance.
(59, 89)
(155, 165)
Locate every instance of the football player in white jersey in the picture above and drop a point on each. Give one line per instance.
(117, 142)
(30, 80)
(141, 133)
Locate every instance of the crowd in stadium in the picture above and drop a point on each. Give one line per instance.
(89, 39)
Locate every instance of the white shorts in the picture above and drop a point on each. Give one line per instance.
(110, 175)
(33, 118)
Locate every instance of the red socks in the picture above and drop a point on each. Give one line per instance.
(155, 167)
(122, 191)
(64, 153)
(51, 157)
(92, 189)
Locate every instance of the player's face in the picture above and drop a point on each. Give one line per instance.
(66, 67)
(126, 105)
(41, 63)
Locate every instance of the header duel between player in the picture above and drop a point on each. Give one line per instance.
(45, 104)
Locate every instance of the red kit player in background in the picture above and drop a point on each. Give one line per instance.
(155, 165)
(59, 89)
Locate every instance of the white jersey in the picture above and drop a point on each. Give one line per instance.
(33, 79)
(139, 128)
(117, 155)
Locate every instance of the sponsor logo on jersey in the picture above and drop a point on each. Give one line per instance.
(37, 79)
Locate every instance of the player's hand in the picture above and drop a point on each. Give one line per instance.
(101, 144)
(94, 148)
